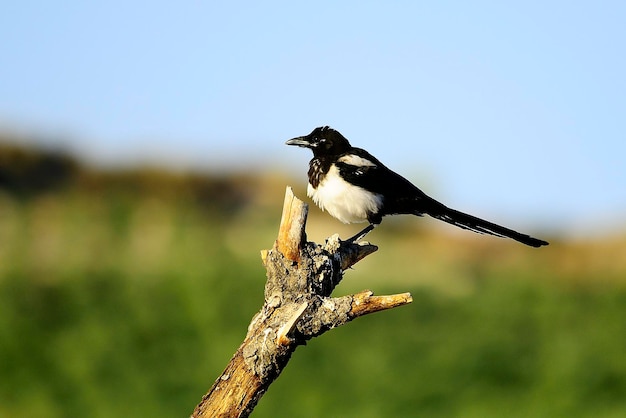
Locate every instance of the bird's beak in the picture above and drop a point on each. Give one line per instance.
(301, 141)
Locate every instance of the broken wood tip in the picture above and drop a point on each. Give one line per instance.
(291, 233)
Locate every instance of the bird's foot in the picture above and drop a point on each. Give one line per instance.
(358, 237)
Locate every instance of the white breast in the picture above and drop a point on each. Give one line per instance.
(342, 200)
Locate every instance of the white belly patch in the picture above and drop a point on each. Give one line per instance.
(342, 200)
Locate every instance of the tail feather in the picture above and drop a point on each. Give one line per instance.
(472, 223)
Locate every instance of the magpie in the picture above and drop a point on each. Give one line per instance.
(353, 186)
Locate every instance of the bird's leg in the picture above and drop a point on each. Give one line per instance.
(362, 234)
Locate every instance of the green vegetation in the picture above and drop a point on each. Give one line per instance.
(125, 294)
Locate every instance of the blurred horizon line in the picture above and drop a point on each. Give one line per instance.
(60, 146)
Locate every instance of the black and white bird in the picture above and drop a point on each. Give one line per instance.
(353, 186)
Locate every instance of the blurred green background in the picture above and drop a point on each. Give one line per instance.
(125, 293)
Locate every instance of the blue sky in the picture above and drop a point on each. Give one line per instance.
(511, 110)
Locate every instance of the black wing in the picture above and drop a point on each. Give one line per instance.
(360, 168)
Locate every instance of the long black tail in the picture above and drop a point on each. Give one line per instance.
(465, 221)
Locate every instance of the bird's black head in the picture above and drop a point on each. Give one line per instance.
(322, 141)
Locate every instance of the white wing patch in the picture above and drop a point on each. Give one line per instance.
(342, 200)
(355, 160)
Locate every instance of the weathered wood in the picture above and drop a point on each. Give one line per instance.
(301, 276)
(291, 234)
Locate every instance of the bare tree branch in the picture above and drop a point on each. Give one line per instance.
(301, 276)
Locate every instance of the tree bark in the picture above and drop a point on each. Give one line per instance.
(301, 276)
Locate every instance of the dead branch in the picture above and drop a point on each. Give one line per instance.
(301, 276)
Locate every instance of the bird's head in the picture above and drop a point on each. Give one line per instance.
(322, 141)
